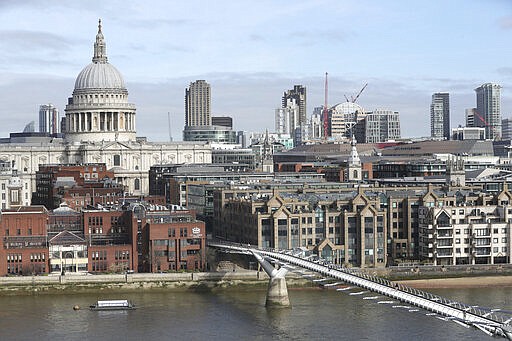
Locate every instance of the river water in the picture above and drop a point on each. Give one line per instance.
(234, 314)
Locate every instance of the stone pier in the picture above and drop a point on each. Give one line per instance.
(277, 292)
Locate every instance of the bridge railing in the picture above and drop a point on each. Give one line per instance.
(492, 314)
(496, 315)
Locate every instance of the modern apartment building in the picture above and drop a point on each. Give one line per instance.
(488, 109)
(382, 125)
(440, 116)
(467, 234)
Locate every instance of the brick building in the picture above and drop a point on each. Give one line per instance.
(112, 238)
(173, 240)
(23, 241)
(77, 185)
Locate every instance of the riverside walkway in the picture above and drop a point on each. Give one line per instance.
(493, 322)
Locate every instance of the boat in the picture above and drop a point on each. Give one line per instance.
(113, 305)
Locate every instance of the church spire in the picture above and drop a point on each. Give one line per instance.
(353, 159)
(100, 47)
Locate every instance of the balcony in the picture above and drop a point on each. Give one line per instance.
(444, 253)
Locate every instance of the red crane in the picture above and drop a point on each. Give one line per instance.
(481, 118)
(491, 128)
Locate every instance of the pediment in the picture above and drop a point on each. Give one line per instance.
(115, 145)
(281, 212)
(66, 238)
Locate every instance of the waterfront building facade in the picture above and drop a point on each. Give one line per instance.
(135, 237)
(173, 240)
(23, 248)
(467, 234)
(343, 228)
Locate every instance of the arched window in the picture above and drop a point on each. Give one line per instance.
(137, 184)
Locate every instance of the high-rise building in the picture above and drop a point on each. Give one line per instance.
(197, 104)
(48, 119)
(470, 117)
(440, 116)
(297, 94)
(288, 120)
(317, 128)
(381, 126)
(488, 109)
(506, 129)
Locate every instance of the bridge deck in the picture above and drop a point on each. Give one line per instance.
(491, 321)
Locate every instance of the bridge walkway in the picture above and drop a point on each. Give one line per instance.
(495, 322)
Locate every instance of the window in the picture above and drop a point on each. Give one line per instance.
(137, 184)
(117, 160)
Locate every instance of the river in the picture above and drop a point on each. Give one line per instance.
(234, 314)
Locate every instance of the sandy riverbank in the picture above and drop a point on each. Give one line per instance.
(460, 282)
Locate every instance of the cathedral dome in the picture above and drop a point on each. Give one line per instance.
(99, 74)
(99, 109)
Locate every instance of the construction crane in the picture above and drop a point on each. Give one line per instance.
(491, 128)
(360, 92)
(354, 99)
(326, 111)
(481, 118)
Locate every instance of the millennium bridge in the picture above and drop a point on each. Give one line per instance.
(493, 322)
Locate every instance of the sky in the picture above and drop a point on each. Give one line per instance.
(250, 52)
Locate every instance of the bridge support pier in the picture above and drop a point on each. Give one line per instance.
(277, 292)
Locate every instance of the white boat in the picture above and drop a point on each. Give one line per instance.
(113, 305)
